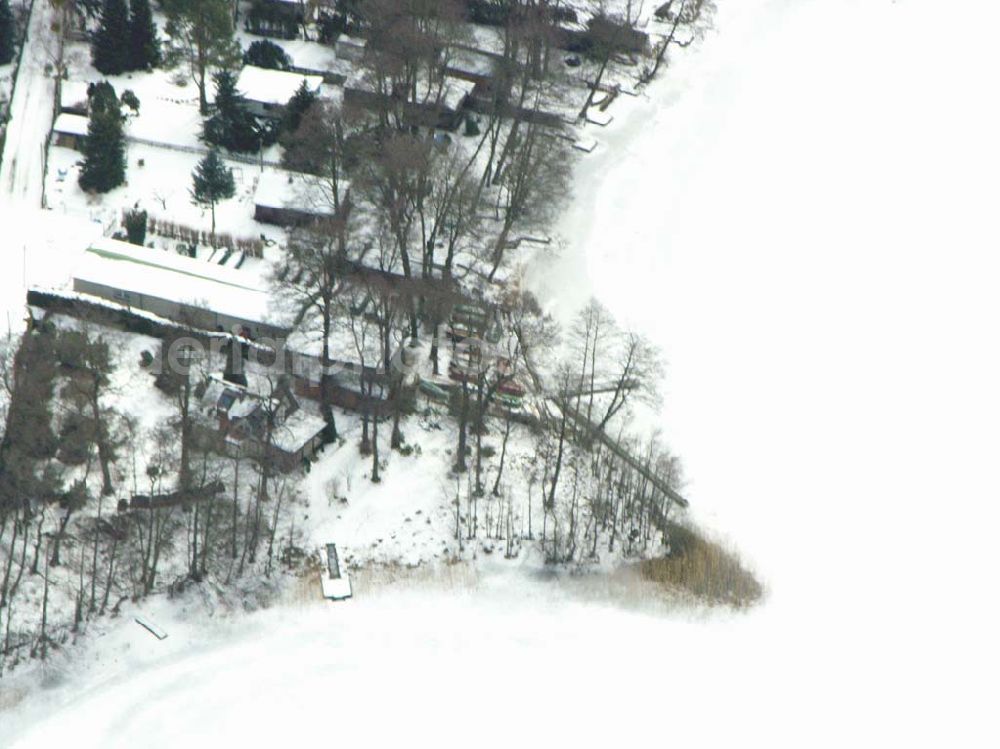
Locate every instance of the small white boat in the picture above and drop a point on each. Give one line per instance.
(335, 581)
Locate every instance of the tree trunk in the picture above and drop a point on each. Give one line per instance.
(503, 455)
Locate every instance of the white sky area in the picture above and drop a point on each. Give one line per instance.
(802, 212)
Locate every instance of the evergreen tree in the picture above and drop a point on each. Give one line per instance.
(6, 33)
(102, 97)
(213, 181)
(231, 126)
(104, 149)
(296, 108)
(135, 226)
(144, 46)
(110, 48)
(264, 53)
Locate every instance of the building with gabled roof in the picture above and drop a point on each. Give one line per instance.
(193, 292)
(267, 91)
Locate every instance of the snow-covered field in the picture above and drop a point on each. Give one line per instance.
(801, 213)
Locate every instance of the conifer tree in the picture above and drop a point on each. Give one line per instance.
(104, 149)
(296, 108)
(213, 181)
(110, 48)
(263, 53)
(6, 33)
(144, 46)
(231, 126)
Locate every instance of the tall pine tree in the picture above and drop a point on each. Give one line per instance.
(144, 47)
(6, 33)
(213, 181)
(110, 48)
(296, 108)
(231, 126)
(104, 150)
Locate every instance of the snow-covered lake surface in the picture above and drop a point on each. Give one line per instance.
(803, 215)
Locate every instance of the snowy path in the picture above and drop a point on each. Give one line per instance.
(22, 169)
(38, 244)
(815, 249)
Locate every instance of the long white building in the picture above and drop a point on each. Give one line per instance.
(190, 291)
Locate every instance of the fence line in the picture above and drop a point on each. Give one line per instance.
(243, 159)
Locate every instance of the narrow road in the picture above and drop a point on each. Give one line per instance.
(22, 169)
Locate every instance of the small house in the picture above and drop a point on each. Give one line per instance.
(441, 108)
(251, 424)
(313, 58)
(267, 91)
(70, 131)
(290, 199)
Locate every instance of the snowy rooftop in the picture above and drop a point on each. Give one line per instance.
(273, 86)
(476, 62)
(452, 93)
(355, 42)
(291, 433)
(277, 188)
(310, 55)
(168, 275)
(73, 93)
(71, 124)
(297, 429)
(455, 91)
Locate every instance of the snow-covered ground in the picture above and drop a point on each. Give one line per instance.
(801, 213)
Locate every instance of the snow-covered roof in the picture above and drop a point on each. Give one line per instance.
(293, 430)
(297, 430)
(310, 55)
(168, 275)
(273, 86)
(449, 95)
(351, 41)
(71, 124)
(73, 93)
(277, 188)
(473, 61)
(455, 91)
(228, 398)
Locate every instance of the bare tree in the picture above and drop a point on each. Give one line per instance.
(532, 186)
(320, 148)
(407, 43)
(315, 261)
(690, 14)
(608, 34)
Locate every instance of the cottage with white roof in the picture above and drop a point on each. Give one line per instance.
(267, 91)
(289, 199)
(241, 418)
